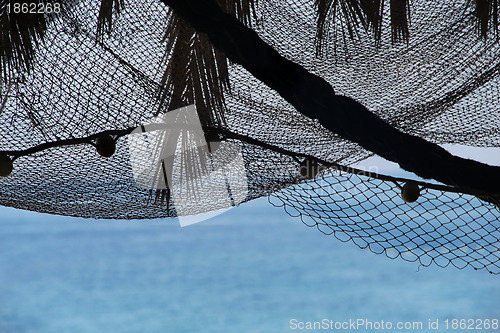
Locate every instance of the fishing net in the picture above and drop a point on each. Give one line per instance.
(441, 227)
(441, 85)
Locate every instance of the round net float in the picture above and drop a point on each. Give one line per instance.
(309, 168)
(105, 145)
(5, 165)
(410, 192)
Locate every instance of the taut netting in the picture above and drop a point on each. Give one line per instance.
(442, 85)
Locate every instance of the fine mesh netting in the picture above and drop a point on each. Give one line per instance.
(442, 85)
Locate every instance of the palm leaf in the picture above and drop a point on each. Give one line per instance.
(242, 9)
(486, 12)
(400, 17)
(350, 12)
(373, 9)
(106, 11)
(20, 35)
(364, 14)
(195, 71)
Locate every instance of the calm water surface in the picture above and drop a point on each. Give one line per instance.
(252, 269)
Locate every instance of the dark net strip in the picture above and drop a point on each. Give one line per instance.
(444, 226)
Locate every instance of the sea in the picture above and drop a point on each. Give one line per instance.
(252, 269)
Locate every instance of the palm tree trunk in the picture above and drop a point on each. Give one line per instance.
(315, 98)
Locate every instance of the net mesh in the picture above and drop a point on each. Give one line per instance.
(441, 85)
(440, 227)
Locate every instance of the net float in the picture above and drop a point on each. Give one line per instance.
(6, 165)
(105, 145)
(410, 192)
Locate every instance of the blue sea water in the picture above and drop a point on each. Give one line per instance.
(253, 269)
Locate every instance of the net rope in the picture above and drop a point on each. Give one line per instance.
(442, 85)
